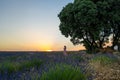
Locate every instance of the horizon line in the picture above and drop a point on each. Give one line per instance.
(35, 51)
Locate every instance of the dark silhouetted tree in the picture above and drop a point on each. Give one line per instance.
(90, 22)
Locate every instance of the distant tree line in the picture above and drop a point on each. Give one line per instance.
(93, 23)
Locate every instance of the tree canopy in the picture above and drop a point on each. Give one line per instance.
(91, 23)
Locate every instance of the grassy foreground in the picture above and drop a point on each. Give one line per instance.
(10, 66)
(105, 68)
(56, 66)
(63, 72)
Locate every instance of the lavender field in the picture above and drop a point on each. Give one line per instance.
(77, 65)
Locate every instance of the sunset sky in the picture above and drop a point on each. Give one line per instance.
(32, 25)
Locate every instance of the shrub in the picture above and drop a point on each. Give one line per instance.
(103, 60)
(79, 58)
(105, 68)
(31, 63)
(10, 67)
(63, 72)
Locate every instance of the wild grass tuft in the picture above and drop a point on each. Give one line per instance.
(79, 58)
(105, 68)
(35, 76)
(63, 72)
(31, 63)
(103, 60)
(10, 67)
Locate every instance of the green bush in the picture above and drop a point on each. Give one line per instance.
(31, 63)
(63, 72)
(10, 67)
(79, 58)
(104, 60)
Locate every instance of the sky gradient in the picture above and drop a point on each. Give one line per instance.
(32, 25)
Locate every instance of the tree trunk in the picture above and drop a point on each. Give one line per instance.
(118, 46)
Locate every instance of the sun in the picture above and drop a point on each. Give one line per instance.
(49, 50)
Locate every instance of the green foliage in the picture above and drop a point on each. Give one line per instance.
(79, 58)
(103, 60)
(35, 76)
(63, 72)
(91, 22)
(31, 63)
(10, 67)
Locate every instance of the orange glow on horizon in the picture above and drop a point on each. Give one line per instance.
(49, 50)
(38, 46)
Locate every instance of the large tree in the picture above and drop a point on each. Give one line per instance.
(115, 22)
(89, 22)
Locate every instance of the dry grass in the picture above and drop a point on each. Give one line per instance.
(106, 72)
